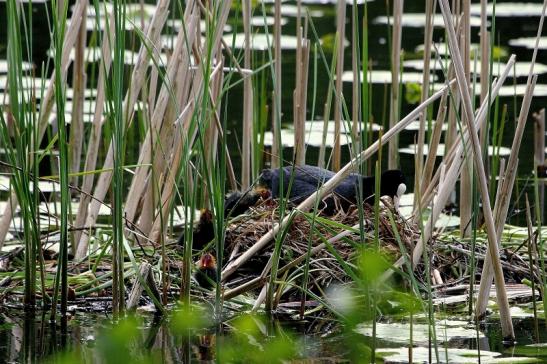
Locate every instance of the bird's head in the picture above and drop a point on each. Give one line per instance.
(393, 183)
(263, 191)
(207, 261)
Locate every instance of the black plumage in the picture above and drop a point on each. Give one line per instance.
(305, 180)
(203, 232)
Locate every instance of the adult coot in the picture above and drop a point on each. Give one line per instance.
(305, 180)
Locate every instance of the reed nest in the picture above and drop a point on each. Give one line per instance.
(308, 232)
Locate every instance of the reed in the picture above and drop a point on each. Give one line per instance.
(506, 191)
(246, 151)
(421, 174)
(394, 111)
(340, 37)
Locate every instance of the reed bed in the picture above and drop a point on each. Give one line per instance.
(173, 98)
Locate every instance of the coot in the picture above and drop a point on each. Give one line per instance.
(307, 179)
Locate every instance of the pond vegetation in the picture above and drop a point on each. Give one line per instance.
(159, 202)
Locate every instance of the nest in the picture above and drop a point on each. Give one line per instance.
(307, 232)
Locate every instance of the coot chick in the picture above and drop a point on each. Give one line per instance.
(307, 179)
(203, 232)
(206, 271)
(237, 203)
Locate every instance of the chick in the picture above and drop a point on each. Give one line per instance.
(206, 270)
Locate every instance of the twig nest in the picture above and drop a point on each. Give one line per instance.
(307, 232)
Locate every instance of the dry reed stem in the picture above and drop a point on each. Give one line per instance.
(297, 124)
(355, 89)
(181, 137)
(301, 100)
(539, 136)
(78, 85)
(428, 40)
(246, 140)
(485, 60)
(46, 106)
(433, 146)
(453, 161)
(503, 303)
(393, 149)
(197, 89)
(340, 36)
(503, 201)
(180, 60)
(466, 181)
(331, 184)
(96, 129)
(138, 77)
(277, 92)
(161, 155)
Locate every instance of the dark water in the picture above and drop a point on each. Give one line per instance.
(87, 336)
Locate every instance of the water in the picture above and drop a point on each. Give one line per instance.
(89, 337)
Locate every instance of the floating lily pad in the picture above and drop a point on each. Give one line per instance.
(132, 10)
(521, 69)
(400, 332)
(260, 42)
(443, 221)
(331, 2)
(27, 82)
(447, 355)
(313, 138)
(442, 50)
(540, 90)
(417, 20)
(292, 11)
(94, 54)
(513, 9)
(529, 42)
(415, 126)
(25, 66)
(411, 149)
(176, 24)
(383, 76)
(314, 134)
(260, 21)
(317, 126)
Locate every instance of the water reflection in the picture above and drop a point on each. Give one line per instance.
(89, 337)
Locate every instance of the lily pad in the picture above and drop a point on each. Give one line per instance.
(176, 24)
(384, 76)
(529, 42)
(292, 11)
(417, 20)
(313, 138)
(260, 42)
(411, 149)
(415, 125)
(260, 21)
(332, 2)
(446, 355)
(25, 66)
(398, 332)
(94, 54)
(521, 69)
(512, 9)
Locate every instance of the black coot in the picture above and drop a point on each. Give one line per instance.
(307, 179)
